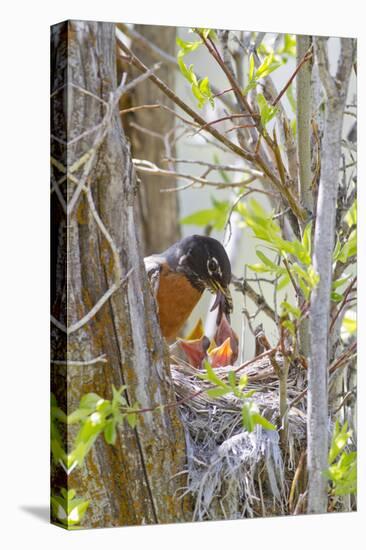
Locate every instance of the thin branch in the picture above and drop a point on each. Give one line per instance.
(221, 167)
(303, 122)
(308, 55)
(160, 106)
(195, 116)
(101, 359)
(297, 291)
(346, 356)
(246, 288)
(247, 155)
(89, 158)
(227, 117)
(161, 55)
(151, 168)
(347, 292)
(94, 310)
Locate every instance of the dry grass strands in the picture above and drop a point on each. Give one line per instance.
(233, 473)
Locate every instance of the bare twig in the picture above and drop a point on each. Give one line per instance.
(298, 472)
(221, 167)
(161, 55)
(347, 292)
(158, 106)
(149, 167)
(308, 55)
(246, 288)
(101, 359)
(222, 119)
(346, 356)
(247, 155)
(94, 310)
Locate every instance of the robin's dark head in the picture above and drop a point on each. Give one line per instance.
(203, 260)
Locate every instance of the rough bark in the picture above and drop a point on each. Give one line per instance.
(335, 92)
(131, 482)
(158, 211)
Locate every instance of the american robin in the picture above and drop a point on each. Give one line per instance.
(179, 276)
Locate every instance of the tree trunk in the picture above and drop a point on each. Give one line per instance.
(101, 302)
(318, 426)
(158, 211)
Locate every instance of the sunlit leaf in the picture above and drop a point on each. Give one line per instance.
(289, 308)
(349, 323)
(267, 111)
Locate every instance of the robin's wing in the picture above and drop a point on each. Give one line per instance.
(153, 266)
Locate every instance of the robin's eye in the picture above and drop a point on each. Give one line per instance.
(212, 265)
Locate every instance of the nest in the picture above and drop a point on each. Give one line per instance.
(233, 473)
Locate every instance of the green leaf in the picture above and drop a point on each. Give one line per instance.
(76, 514)
(118, 399)
(349, 249)
(248, 394)
(212, 377)
(313, 276)
(336, 297)
(58, 414)
(78, 415)
(351, 216)
(289, 325)
(289, 45)
(218, 392)
(306, 238)
(269, 64)
(247, 417)
(89, 401)
(289, 308)
(340, 282)
(110, 432)
(259, 268)
(266, 260)
(216, 216)
(259, 419)
(243, 381)
(337, 249)
(202, 217)
(267, 111)
(339, 441)
(251, 67)
(283, 282)
(232, 378)
(187, 47)
(205, 87)
(349, 323)
(132, 419)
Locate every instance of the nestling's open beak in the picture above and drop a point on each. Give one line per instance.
(223, 299)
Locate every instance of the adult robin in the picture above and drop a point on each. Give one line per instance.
(180, 275)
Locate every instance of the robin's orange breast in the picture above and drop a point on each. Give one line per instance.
(176, 299)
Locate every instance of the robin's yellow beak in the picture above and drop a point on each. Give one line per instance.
(223, 300)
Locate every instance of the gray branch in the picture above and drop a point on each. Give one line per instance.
(336, 92)
(303, 102)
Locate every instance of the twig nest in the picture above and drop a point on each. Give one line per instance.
(233, 473)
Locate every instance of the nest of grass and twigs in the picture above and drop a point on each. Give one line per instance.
(231, 472)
